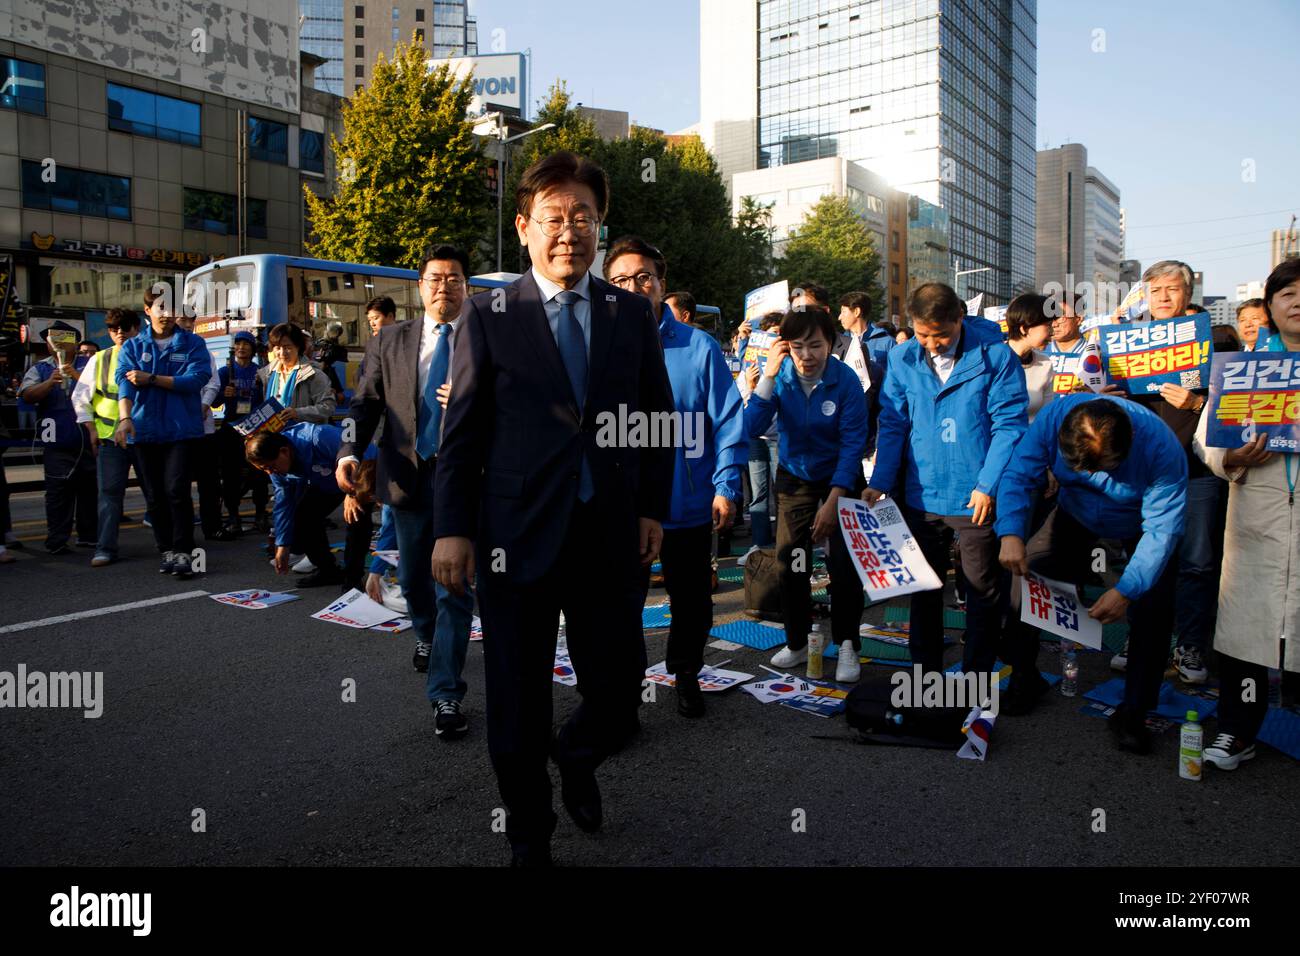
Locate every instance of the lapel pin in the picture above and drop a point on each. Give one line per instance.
(611, 298)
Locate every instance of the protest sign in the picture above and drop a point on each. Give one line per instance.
(818, 700)
(756, 348)
(998, 314)
(270, 416)
(973, 305)
(1054, 607)
(1065, 371)
(1145, 355)
(773, 297)
(254, 599)
(885, 554)
(389, 556)
(393, 626)
(354, 609)
(475, 629)
(1254, 393)
(711, 678)
(1135, 303)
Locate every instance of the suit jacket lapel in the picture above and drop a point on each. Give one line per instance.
(408, 346)
(527, 306)
(604, 313)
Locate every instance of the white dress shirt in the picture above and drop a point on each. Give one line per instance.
(943, 362)
(855, 357)
(581, 308)
(428, 342)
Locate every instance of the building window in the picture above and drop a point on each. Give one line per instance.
(896, 310)
(77, 191)
(359, 71)
(893, 241)
(360, 51)
(361, 32)
(893, 272)
(397, 14)
(397, 34)
(268, 141)
(152, 114)
(419, 35)
(216, 212)
(361, 12)
(419, 14)
(311, 151)
(23, 86)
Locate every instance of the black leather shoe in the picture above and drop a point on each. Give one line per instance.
(579, 793)
(321, 577)
(1130, 735)
(1021, 697)
(690, 699)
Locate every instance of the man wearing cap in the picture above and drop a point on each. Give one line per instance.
(67, 455)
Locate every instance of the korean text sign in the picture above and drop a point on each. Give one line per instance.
(1145, 355)
(885, 554)
(1054, 607)
(1254, 393)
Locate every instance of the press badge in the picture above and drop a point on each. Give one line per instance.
(243, 406)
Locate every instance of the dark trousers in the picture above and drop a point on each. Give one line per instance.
(165, 475)
(356, 550)
(986, 590)
(237, 473)
(797, 505)
(6, 523)
(204, 470)
(1236, 716)
(598, 583)
(310, 536)
(71, 491)
(1062, 549)
(687, 559)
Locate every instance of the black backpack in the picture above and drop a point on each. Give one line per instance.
(763, 585)
(868, 710)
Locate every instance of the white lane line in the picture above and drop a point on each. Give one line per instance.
(100, 611)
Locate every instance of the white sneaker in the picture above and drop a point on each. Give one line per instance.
(740, 561)
(301, 564)
(1120, 661)
(1190, 664)
(786, 657)
(849, 669)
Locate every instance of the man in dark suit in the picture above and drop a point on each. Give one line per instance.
(558, 506)
(405, 367)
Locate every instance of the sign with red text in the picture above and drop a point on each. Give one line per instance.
(1254, 393)
(1055, 607)
(1142, 356)
(885, 554)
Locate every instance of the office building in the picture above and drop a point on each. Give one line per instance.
(1079, 235)
(122, 154)
(936, 96)
(1283, 244)
(350, 35)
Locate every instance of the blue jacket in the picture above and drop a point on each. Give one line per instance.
(56, 407)
(248, 387)
(705, 392)
(879, 343)
(315, 453)
(823, 436)
(956, 436)
(1146, 494)
(162, 414)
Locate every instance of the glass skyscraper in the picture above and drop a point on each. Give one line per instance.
(937, 96)
(322, 33)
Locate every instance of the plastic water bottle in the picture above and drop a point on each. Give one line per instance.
(1069, 668)
(816, 648)
(1190, 740)
(1274, 687)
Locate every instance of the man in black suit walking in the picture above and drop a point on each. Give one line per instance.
(543, 487)
(405, 367)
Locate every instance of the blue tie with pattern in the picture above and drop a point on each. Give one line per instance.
(430, 417)
(573, 352)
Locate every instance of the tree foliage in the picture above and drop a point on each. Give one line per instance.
(835, 248)
(410, 171)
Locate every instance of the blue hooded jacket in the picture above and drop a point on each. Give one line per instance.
(705, 391)
(315, 454)
(879, 343)
(1146, 494)
(955, 436)
(822, 436)
(161, 414)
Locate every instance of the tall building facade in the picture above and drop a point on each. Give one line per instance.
(1283, 244)
(1080, 228)
(1103, 235)
(937, 96)
(349, 34)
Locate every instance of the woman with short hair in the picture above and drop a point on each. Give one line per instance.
(293, 379)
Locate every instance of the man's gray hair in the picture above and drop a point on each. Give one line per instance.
(1169, 267)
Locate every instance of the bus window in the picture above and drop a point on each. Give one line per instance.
(324, 297)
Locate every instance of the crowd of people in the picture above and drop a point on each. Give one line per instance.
(479, 432)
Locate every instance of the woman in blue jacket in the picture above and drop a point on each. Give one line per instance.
(821, 417)
(159, 376)
(953, 407)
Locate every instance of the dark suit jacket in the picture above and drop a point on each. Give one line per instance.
(388, 392)
(513, 435)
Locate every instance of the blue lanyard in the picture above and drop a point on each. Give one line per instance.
(1290, 479)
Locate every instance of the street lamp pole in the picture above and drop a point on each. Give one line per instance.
(503, 165)
(956, 275)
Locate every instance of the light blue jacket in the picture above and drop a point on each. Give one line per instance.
(315, 453)
(955, 436)
(822, 436)
(1146, 495)
(704, 392)
(161, 414)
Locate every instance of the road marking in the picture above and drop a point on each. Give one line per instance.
(100, 611)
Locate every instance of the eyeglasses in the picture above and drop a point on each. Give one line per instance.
(641, 279)
(553, 226)
(450, 283)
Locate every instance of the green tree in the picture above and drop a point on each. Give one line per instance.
(410, 170)
(835, 248)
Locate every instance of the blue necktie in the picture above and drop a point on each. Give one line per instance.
(430, 417)
(573, 352)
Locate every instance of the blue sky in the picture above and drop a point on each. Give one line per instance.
(1183, 95)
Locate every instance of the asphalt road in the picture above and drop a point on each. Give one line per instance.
(240, 714)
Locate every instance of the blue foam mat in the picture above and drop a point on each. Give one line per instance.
(653, 616)
(1171, 704)
(1052, 679)
(750, 633)
(1281, 731)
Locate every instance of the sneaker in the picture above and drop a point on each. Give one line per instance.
(420, 661)
(181, 565)
(1190, 665)
(167, 562)
(1120, 661)
(849, 668)
(448, 722)
(300, 564)
(228, 533)
(146, 522)
(5, 556)
(101, 560)
(1227, 751)
(740, 561)
(788, 657)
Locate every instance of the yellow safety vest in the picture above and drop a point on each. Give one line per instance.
(103, 399)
